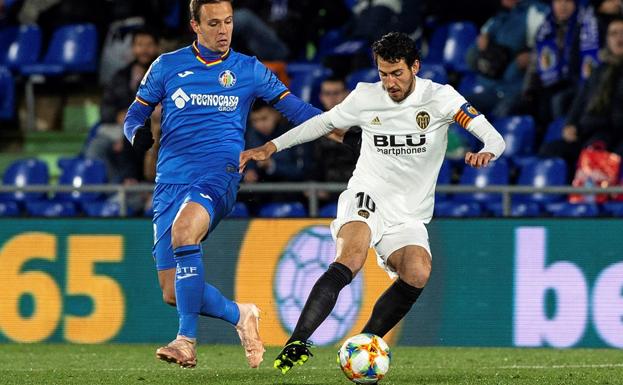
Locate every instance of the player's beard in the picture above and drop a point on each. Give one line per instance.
(405, 94)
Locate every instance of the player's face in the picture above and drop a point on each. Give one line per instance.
(563, 9)
(615, 38)
(215, 27)
(398, 79)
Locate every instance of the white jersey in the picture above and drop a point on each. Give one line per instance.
(403, 144)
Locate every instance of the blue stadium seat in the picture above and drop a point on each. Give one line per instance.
(78, 172)
(9, 209)
(554, 130)
(239, 210)
(73, 49)
(496, 173)
(25, 49)
(366, 75)
(22, 173)
(457, 209)
(8, 36)
(7, 94)
(330, 39)
(469, 85)
(518, 209)
(444, 177)
(305, 80)
(434, 72)
(51, 209)
(283, 210)
(328, 211)
(541, 173)
(613, 208)
(460, 36)
(566, 209)
(101, 209)
(518, 133)
(437, 44)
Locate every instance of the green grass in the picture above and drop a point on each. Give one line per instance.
(135, 364)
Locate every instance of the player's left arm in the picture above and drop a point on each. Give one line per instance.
(476, 123)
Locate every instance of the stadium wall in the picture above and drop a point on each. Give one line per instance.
(502, 282)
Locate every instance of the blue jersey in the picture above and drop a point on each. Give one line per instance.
(205, 104)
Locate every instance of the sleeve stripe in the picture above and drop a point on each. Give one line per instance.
(462, 119)
(144, 102)
(279, 97)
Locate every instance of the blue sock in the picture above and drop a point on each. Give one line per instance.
(216, 305)
(189, 283)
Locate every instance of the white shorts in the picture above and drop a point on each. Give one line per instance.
(356, 205)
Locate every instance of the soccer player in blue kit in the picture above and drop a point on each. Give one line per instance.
(206, 91)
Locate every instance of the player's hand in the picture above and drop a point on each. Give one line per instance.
(263, 152)
(143, 138)
(477, 160)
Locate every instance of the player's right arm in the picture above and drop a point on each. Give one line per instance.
(150, 92)
(344, 114)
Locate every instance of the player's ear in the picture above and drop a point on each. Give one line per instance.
(415, 67)
(195, 26)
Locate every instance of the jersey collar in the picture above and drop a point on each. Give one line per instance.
(210, 59)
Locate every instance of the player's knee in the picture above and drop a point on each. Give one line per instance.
(181, 233)
(354, 258)
(169, 297)
(417, 277)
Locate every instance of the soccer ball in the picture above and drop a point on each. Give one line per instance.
(364, 358)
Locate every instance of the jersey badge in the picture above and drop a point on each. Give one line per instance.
(376, 121)
(423, 119)
(227, 79)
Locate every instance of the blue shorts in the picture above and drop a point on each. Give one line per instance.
(215, 192)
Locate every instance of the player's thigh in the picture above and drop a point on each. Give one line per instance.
(358, 225)
(404, 250)
(167, 200)
(190, 225)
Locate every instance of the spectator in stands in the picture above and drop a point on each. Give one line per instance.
(333, 161)
(109, 145)
(552, 76)
(594, 22)
(267, 124)
(501, 55)
(597, 111)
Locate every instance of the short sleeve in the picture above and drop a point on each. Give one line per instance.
(267, 85)
(151, 90)
(346, 114)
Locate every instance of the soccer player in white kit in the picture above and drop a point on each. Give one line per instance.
(390, 197)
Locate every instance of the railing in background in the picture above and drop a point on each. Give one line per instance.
(312, 188)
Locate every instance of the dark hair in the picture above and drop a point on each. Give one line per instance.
(195, 7)
(145, 31)
(259, 104)
(335, 79)
(394, 47)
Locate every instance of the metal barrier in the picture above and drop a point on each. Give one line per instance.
(312, 188)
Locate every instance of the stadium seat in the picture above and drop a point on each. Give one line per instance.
(613, 208)
(283, 210)
(518, 133)
(444, 178)
(518, 209)
(434, 72)
(51, 209)
(239, 210)
(78, 172)
(102, 209)
(436, 45)
(8, 36)
(329, 40)
(328, 211)
(541, 173)
(305, 79)
(22, 173)
(460, 36)
(9, 209)
(73, 49)
(7, 94)
(469, 85)
(457, 209)
(366, 75)
(496, 173)
(25, 48)
(554, 130)
(566, 209)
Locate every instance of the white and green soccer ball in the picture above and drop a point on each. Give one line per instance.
(364, 358)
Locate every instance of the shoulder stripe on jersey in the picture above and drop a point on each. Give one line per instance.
(209, 63)
(278, 98)
(144, 102)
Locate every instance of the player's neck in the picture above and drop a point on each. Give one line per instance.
(206, 52)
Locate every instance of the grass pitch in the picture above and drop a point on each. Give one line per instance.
(135, 364)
